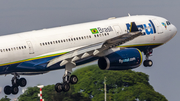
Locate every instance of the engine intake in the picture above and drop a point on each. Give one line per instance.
(128, 58)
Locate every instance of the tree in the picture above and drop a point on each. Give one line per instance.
(125, 85)
(5, 99)
(31, 94)
(49, 94)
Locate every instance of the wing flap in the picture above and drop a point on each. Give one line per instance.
(75, 53)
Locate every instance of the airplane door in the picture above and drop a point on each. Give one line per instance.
(117, 29)
(31, 50)
(158, 26)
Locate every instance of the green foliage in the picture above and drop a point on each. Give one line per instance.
(5, 99)
(49, 94)
(31, 94)
(125, 85)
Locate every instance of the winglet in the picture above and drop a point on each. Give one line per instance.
(133, 27)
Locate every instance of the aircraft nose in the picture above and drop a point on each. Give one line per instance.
(174, 29)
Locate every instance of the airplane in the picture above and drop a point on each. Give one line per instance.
(117, 44)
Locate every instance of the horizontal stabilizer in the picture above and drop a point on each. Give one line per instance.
(133, 27)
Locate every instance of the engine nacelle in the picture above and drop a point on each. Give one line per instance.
(128, 58)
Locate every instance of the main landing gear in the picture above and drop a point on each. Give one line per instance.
(16, 81)
(147, 62)
(67, 79)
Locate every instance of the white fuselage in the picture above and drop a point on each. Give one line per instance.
(17, 48)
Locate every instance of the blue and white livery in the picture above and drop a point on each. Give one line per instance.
(116, 43)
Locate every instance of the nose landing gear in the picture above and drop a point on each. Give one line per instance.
(15, 83)
(147, 62)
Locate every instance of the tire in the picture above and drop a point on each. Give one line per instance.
(58, 87)
(148, 63)
(65, 87)
(7, 90)
(145, 63)
(14, 90)
(22, 82)
(73, 79)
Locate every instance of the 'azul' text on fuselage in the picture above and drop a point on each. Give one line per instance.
(147, 29)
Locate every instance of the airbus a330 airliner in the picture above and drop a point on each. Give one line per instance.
(116, 43)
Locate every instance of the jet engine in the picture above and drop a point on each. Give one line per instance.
(128, 58)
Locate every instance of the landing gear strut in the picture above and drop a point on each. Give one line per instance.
(67, 79)
(147, 62)
(16, 81)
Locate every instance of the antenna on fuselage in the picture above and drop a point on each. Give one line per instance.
(129, 14)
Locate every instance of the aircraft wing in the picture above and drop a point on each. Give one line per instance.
(95, 49)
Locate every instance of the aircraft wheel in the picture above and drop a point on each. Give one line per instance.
(58, 87)
(65, 86)
(148, 63)
(15, 90)
(73, 79)
(22, 82)
(7, 90)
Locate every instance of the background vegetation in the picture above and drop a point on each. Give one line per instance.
(125, 85)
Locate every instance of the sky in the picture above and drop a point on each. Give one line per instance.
(27, 15)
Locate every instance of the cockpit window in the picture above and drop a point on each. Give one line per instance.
(168, 23)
